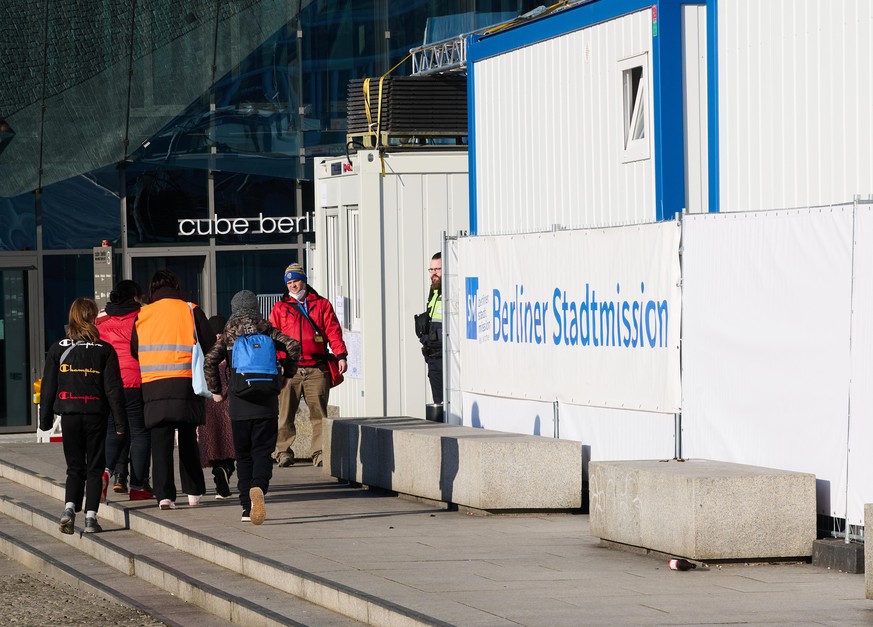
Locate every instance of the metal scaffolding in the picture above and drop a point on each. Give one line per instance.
(449, 55)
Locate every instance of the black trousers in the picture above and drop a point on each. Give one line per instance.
(84, 439)
(163, 468)
(254, 441)
(435, 375)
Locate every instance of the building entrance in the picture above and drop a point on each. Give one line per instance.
(18, 363)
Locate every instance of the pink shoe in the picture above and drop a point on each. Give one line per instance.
(194, 499)
(166, 504)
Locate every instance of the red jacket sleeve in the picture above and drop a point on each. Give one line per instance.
(332, 329)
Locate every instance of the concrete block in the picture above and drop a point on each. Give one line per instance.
(476, 468)
(835, 554)
(703, 510)
(868, 552)
(302, 445)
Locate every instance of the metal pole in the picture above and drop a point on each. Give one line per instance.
(556, 419)
(444, 249)
(677, 417)
(849, 400)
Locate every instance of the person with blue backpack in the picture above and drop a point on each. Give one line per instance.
(250, 344)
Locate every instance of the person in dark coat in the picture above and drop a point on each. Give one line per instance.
(82, 382)
(254, 419)
(162, 341)
(215, 438)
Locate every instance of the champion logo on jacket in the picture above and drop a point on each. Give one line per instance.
(69, 342)
(69, 396)
(67, 368)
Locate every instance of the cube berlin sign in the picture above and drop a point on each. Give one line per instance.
(263, 225)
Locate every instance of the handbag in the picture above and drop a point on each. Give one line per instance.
(198, 377)
(336, 377)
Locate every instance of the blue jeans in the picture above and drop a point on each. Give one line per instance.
(139, 438)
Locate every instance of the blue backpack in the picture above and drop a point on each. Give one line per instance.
(255, 370)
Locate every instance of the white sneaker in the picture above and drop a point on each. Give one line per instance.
(194, 499)
(166, 504)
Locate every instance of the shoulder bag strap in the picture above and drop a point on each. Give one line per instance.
(66, 353)
(311, 321)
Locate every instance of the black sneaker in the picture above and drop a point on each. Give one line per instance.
(246, 516)
(120, 486)
(68, 520)
(222, 485)
(92, 526)
(285, 460)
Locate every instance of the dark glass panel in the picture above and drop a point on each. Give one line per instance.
(261, 271)
(269, 204)
(17, 215)
(65, 278)
(343, 39)
(158, 198)
(80, 212)
(188, 269)
(14, 350)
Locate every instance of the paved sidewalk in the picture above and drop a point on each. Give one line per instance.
(494, 570)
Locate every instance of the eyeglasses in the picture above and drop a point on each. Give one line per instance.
(432, 270)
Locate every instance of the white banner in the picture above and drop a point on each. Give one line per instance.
(587, 317)
(766, 310)
(860, 488)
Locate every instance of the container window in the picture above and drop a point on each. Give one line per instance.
(635, 119)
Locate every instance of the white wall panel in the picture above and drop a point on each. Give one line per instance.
(613, 434)
(795, 97)
(549, 133)
(506, 414)
(694, 97)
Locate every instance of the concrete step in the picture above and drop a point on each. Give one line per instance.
(50, 556)
(224, 592)
(144, 518)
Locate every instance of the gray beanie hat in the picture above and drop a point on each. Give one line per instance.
(244, 304)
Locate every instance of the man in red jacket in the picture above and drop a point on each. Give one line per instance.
(310, 319)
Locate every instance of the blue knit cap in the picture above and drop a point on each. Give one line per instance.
(294, 272)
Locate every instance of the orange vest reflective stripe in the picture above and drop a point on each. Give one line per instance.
(165, 330)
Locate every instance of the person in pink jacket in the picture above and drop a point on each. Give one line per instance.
(309, 318)
(115, 325)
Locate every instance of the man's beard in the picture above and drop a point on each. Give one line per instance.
(436, 283)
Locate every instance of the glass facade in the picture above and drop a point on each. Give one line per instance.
(182, 133)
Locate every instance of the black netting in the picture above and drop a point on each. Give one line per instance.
(82, 75)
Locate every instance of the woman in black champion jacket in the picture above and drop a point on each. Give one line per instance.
(82, 383)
